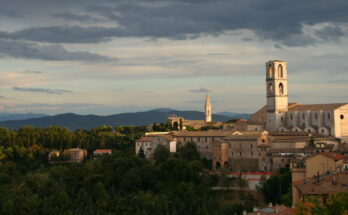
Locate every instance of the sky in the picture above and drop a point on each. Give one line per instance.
(112, 56)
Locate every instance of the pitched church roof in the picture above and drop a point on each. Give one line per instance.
(315, 107)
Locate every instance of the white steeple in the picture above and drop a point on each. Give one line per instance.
(208, 113)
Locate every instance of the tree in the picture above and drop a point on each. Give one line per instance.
(141, 152)
(176, 126)
(336, 204)
(277, 186)
(180, 124)
(189, 152)
(161, 154)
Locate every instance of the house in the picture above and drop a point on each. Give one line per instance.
(100, 152)
(321, 186)
(74, 155)
(316, 168)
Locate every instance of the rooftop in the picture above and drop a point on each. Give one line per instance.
(325, 184)
(315, 107)
(332, 155)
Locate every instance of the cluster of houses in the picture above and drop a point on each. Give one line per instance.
(74, 155)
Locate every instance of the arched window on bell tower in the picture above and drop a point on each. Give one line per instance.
(270, 89)
(281, 89)
(280, 71)
(270, 75)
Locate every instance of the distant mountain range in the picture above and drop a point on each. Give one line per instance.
(19, 116)
(74, 121)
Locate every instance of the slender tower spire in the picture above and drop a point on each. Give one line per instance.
(208, 113)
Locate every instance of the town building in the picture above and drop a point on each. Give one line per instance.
(75, 155)
(266, 151)
(244, 125)
(279, 115)
(101, 152)
(149, 142)
(315, 175)
(321, 186)
(72, 155)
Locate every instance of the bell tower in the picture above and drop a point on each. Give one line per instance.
(208, 113)
(277, 93)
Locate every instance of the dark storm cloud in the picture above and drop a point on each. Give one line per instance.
(42, 90)
(182, 19)
(200, 90)
(26, 50)
(63, 34)
(76, 17)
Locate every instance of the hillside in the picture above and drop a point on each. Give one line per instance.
(74, 121)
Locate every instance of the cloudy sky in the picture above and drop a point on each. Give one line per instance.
(111, 56)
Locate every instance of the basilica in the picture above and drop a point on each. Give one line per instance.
(279, 115)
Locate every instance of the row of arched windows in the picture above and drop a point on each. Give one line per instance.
(280, 71)
(281, 89)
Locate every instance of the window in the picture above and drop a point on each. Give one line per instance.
(291, 116)
(342, 116)
(240, 154)
(328, 116)
(281, 89)
(281, 119)
(280, 71)
(270, 71)
(303, 116)
(251, 145)
(270, 89)
(263, 140)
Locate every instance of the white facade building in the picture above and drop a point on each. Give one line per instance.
(279, 115)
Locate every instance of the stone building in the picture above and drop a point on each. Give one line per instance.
(75, 155)
(149, 142)
(320, 187)
(72, 155)
(264, 151)
(279, 115)
(204, 139)
(311, 178)
(101, 152)
(244, 125)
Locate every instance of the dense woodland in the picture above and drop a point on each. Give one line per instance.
(121, 183)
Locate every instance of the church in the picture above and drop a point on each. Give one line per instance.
(280, 115)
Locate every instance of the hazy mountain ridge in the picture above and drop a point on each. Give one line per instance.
(74, 121)
(20, 116)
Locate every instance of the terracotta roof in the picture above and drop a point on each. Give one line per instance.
(146, 139)
(332, 155)
(315, 107)
(167, 137)
(292, 150)
(210, 133)
(103, 150)
(327, 184)
(246, 122)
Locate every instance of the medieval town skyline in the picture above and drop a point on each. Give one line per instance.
(104, 57)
